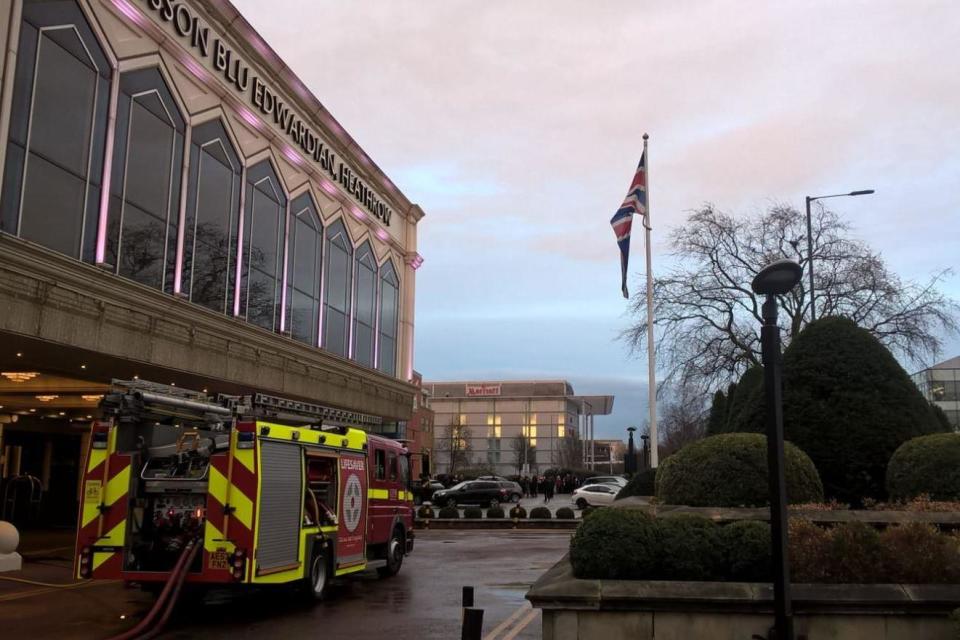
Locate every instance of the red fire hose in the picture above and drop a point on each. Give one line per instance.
(167, 597)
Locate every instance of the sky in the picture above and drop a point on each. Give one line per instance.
(517, 127)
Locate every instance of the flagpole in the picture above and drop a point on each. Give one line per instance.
(651, 373)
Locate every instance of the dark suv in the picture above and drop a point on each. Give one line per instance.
(483, 492)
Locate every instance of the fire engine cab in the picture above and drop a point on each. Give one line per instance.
(181, 487)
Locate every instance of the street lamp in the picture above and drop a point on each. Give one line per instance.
(862, 192)
(776, 279)
(630, 462)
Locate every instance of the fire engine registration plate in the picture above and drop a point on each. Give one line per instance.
(220, 559)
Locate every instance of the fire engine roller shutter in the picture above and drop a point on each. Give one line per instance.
(280, 503)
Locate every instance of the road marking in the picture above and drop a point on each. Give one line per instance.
(40, 592)
(521, 625)
(506, 623)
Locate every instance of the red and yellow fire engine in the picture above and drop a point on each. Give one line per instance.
(249, 490)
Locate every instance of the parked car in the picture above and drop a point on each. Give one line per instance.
(618, 480)
(424, 493)
(514, 491)
(483, 492)
(594, 495)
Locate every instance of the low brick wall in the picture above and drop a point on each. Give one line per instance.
(575, 609)
(493, 523)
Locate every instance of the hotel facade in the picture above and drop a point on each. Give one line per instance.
(177, 206)
(513, 427)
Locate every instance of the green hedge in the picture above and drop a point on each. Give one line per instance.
(566, 513)
(643, 483)
(425, 512)
(926, 465)
(729, 470)
(495, 512)
(615, 543)
(473, 513)
(542, 513)
(449, 512)
(848, 404)
(746, 551)
(629, 544)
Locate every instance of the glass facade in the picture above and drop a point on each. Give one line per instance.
(186, 213)
(303, 281)
(364, 316)
(54, 164)
(389, 300)
(145, 183)
(941, 386)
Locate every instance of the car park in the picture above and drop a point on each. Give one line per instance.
(594, 495)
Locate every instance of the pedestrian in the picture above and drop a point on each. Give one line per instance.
(525, 486)
(548, 487)
(533, 486)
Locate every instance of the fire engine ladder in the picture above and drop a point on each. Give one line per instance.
(265, 406)
(135, 400)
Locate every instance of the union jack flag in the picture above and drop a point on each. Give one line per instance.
(622, 220)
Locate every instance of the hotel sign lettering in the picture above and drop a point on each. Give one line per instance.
(483, 390)
(237, 73)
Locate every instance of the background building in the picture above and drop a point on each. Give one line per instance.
(512, 426)
(176, 205)
(940, 384)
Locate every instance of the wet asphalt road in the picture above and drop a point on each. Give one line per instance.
(422, 601)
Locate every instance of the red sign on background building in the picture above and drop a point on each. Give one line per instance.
(483, 390)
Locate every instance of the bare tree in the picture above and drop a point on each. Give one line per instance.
(683, 418)
(455, 441)
(708, 318)
(524, 452)
(571, 451)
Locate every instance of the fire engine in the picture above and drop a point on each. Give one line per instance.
(180, 487)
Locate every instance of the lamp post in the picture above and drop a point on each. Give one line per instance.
(863, 192)
(776, 279)
(630, 461)
(646, 451)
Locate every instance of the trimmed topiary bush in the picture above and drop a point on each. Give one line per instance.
(809, 551)
(926, 465)
(690, 548)
(643, 483)
(450, 512)
(746, 551)
(615, 543)
(587, 511)
(849, 405)
(729, 470)
(542, 513)
(495, 512)
(518, 513)
(473, 513)
(566, 513)
(426, 512)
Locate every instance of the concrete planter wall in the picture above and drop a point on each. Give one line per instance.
(575, 609)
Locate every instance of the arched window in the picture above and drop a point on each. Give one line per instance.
(364, 317)
(389, 301)
(58, 120)
(145, 182)
(210, 227)
(304, 267)
(264, 224)
(336, 296)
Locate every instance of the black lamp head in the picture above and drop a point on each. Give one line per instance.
(777, 278)
(631, 429)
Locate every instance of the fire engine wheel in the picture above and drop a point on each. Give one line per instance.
(394, 556)
(319, 577)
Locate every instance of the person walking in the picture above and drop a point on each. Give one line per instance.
(533, 486)
(548, 487)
